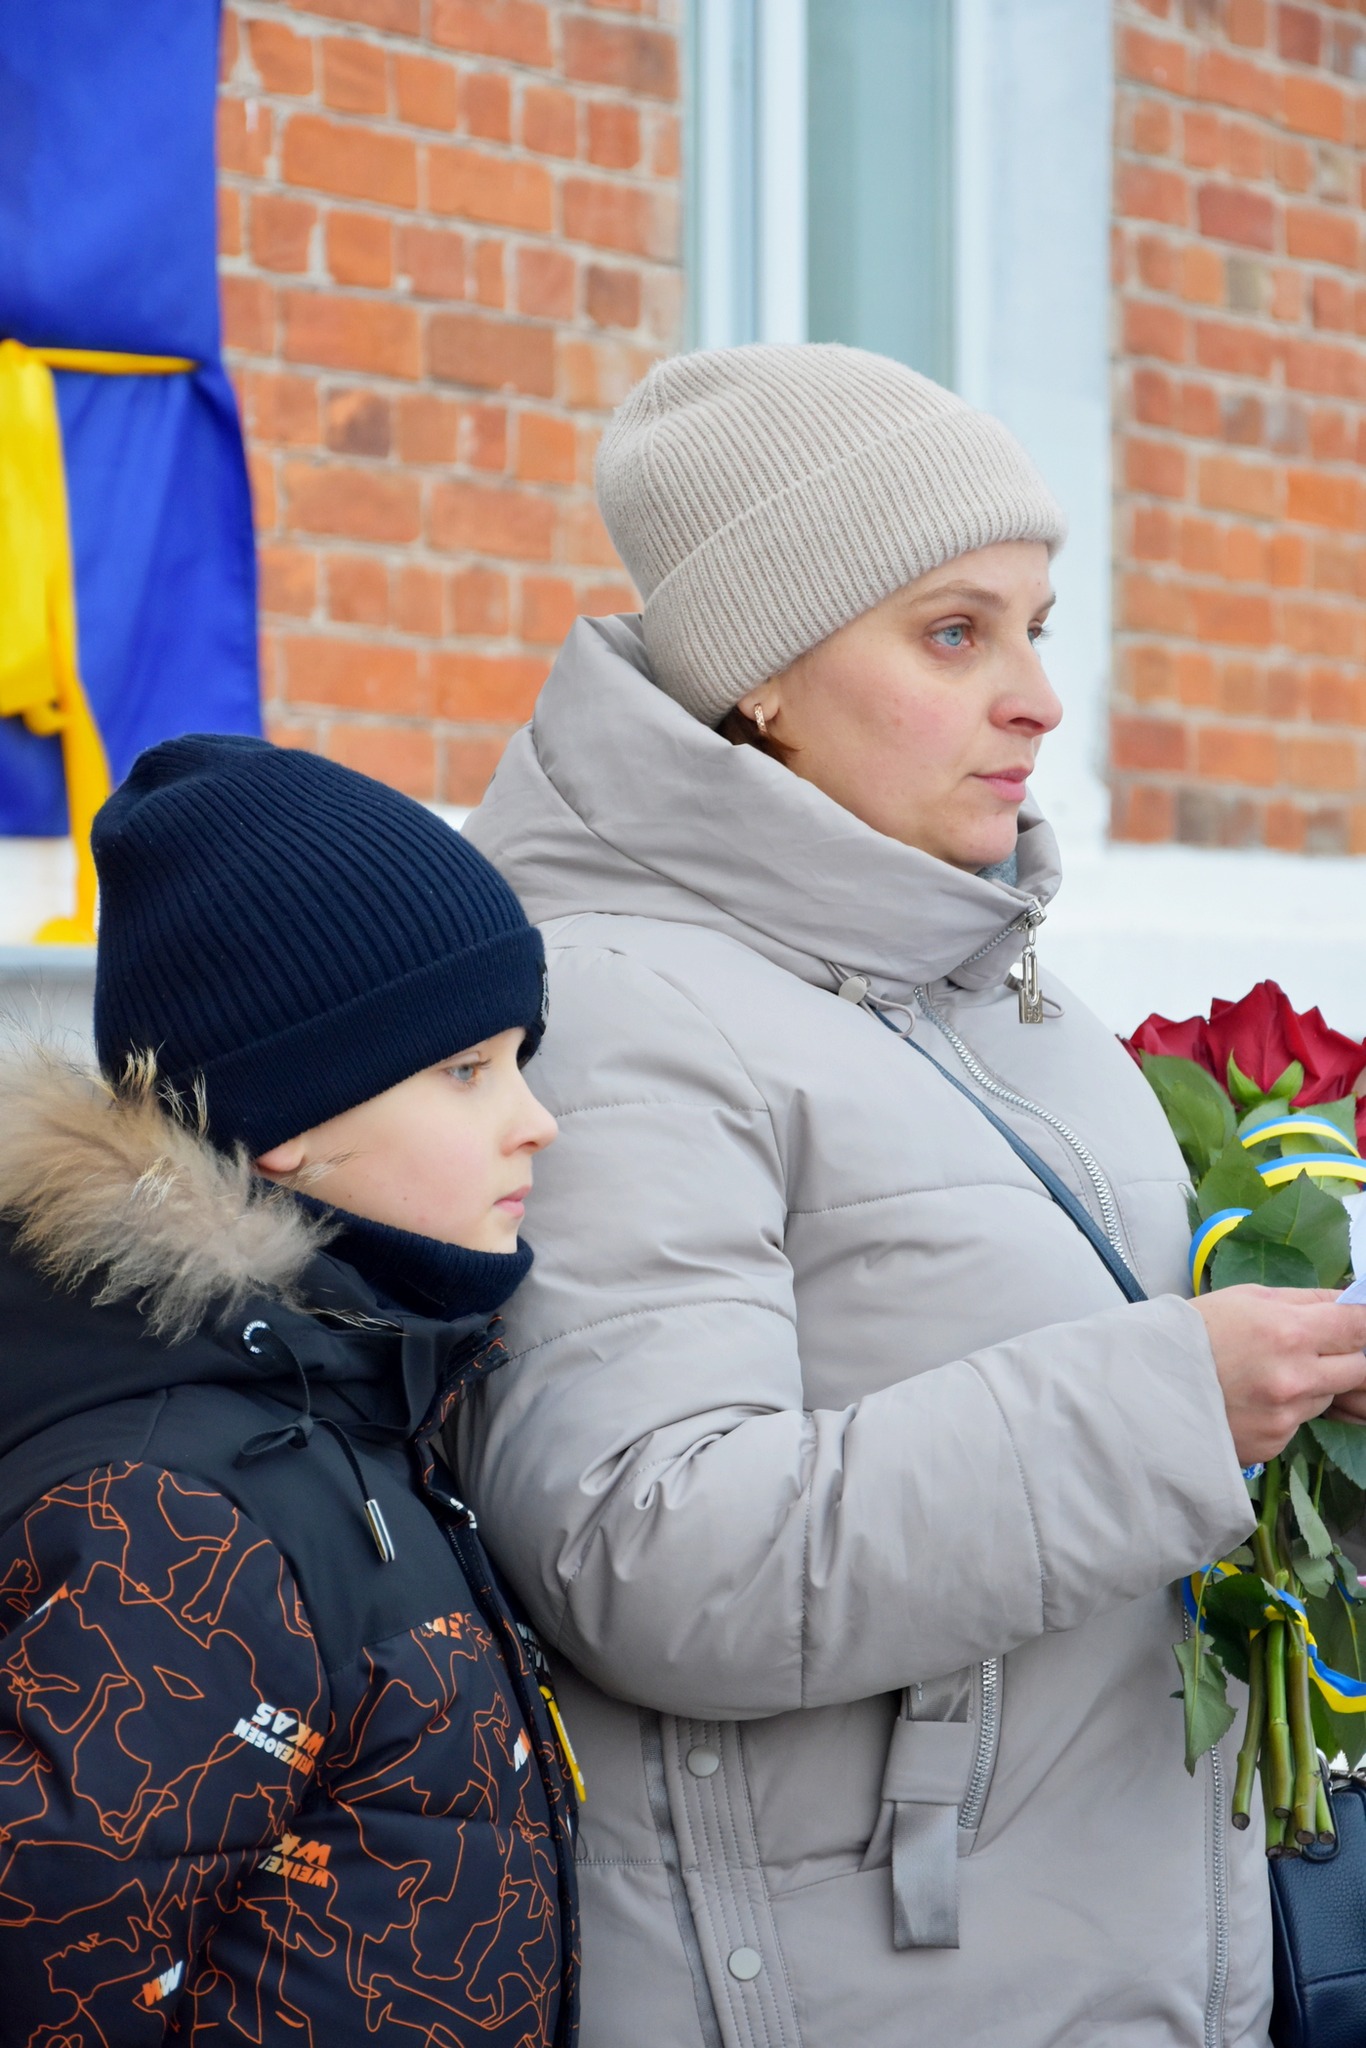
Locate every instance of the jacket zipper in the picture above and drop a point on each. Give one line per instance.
(1218, 1982)
(987, 1081)
(988, 1739)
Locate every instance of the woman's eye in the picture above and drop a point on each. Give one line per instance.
(1037, 633)
(950, 636)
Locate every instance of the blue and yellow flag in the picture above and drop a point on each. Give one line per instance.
(108, 262)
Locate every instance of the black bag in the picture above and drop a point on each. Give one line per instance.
(1318, 1913)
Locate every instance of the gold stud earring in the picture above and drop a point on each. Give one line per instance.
(759, 720)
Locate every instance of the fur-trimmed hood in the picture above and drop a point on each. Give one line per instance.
(121, 1188)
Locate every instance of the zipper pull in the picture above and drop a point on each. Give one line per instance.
(1031, 995)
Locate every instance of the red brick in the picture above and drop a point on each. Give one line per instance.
(1287, 294)
(598, 374)
(479, 602)
(357, 590)
(487, 686)
(280, 409)
(516, 30)
(613, 136)
(638, 60)
(283, 61)
(1242, 620)
(355, 677)
(1227, 485)
(1287, 560)
(1334, 697)
(1202, 275)
(547, 448)
(613, 217)
(666, 146)
(1157, 467)
(248, 309)
(355, 77)
(1143, 815)
(486, 102)
(1152, 604)
(1152, 60)
(1244, 349)
(495, 189)
(1143, 192)
(583, 539)
(1201, 546)
(1151, 330)
(425, 91)
(358, 422)
(1244, 555)
(1331, 304)
(546, 283)
(1228, 213)
(1284, 828)
(549, 608)
(1196, 678)
(352, 334)
(497, 355)
(428, 428)
(416, 601)
(1154, 398)
(1321, 764)
(360, 248)
(612, 296)
(1321, 235)
(351, 160)
(404, 756)
(1317, 498)
(490, 281)
(1248, 153)
(229, 221)
(288, 580)
(246, 133)
(484, 437)
(433, 260)
(1311, 106)
(399, 17)
(550, 121)
(469, 766)
(1234, 82)
(1158, 259)
(1151, 743)
(1202, 140)
(1330, 629)
(261, 479)
(1335, 371)
(1152, 126)
(1245, 22)
(358, 504)
(1298, 35)
(1228, 754)
(606, 598)
(466, 518)
(1294, 166)
(1151, 534)
(281, 230)
(229, 45)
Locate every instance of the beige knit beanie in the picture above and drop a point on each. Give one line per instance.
(762, 497)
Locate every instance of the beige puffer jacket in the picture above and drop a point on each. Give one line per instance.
(845, 1487)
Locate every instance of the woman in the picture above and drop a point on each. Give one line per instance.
(846, 1484)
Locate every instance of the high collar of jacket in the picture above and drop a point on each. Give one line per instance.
(615, 799)
(134, 1256)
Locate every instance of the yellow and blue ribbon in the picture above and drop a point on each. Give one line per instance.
(1344, 1164)
(1346, 1695)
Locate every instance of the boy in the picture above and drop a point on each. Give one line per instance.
(274, 1762)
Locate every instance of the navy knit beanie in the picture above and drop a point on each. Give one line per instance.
(295, 936)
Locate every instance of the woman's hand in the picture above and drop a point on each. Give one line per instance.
(1283, 1354)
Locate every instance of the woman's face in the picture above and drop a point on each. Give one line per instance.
(924, 716)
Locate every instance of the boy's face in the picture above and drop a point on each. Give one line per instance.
(447, 1153)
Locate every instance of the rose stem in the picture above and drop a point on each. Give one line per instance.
(1301, 1735)
(1252, 1732)
(1275, 1825)
(1279, 1772)
(1264, 1535)
(1323, 1814)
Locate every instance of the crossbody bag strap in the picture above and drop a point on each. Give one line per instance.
(1118, 1268)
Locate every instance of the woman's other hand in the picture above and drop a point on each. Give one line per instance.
(1284, 1354)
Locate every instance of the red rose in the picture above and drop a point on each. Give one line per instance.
(1264, 1036)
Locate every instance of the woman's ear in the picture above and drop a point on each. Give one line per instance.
(281, 1160)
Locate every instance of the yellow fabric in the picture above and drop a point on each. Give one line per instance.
(39, 675)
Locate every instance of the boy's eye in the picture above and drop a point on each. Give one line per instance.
(950, 636)
(466, 1072)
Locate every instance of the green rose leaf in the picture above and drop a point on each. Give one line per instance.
(1342, 1442)
(1341, 1638)
(1341, 1114)
(1204, 1696)
(1239, 1264)
(1310, 1522)
(1303, 1216)
(1196, 1107)
(1233, 1182)
(1238, 1602)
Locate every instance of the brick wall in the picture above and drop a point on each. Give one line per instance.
(1240, 411)
(449, 238)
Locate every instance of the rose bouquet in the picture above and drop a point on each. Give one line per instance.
(1267, 1108)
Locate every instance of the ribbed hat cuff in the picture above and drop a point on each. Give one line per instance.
(797, 566)
(264, 1093)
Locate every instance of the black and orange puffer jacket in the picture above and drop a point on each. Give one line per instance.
(275, 1763)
